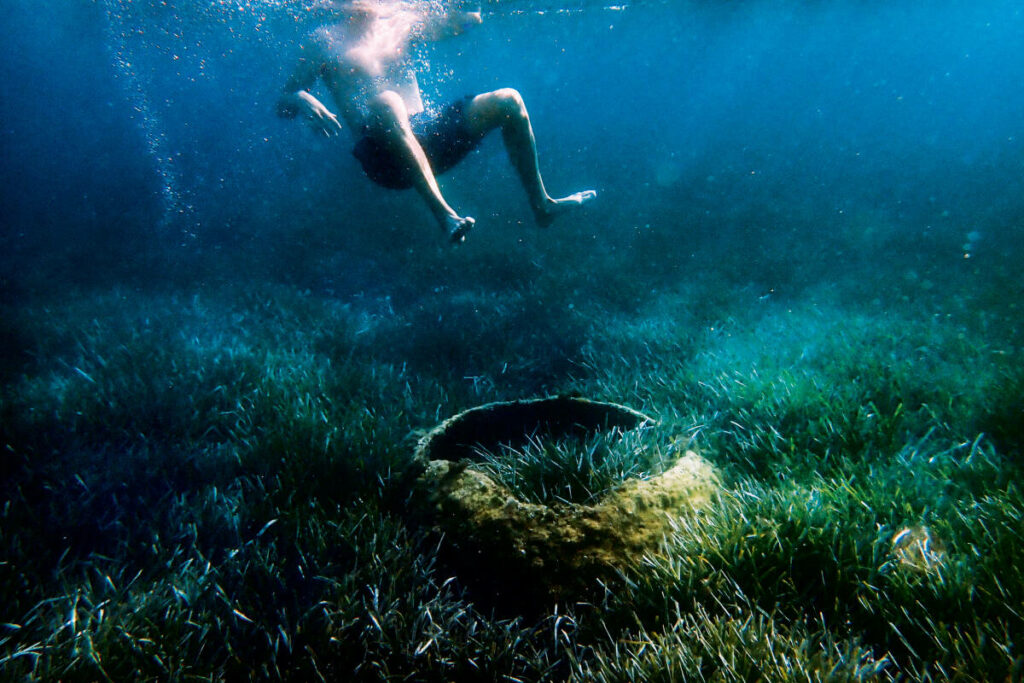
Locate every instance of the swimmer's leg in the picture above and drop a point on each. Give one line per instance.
(390, 119)
(505, 109)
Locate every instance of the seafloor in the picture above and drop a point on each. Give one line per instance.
(206, 476)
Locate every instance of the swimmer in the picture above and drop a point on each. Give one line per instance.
(362, 59)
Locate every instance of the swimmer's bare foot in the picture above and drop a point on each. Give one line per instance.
(555, 207)
(457, 228)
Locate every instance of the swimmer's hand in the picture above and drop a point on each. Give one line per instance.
(468, 20)
(319, 117)
(452, 23)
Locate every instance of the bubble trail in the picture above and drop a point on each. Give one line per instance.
(118, 31)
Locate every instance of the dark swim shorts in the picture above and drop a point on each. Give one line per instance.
(445, 138)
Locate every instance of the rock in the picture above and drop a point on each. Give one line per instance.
(522, 552)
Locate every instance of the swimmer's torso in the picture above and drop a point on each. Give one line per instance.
(355, 68)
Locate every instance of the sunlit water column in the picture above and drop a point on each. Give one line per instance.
(175, 211)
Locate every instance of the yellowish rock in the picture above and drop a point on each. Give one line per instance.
(562, 550)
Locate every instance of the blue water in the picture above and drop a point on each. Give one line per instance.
(875, 150)
(148, 129)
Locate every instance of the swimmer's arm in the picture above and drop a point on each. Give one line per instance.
(302, 79)
(448, 25)
(296, 99)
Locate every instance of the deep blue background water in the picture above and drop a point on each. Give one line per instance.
(791, 142)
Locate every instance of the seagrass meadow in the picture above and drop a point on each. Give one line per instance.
(222, 348)
(213, 485)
